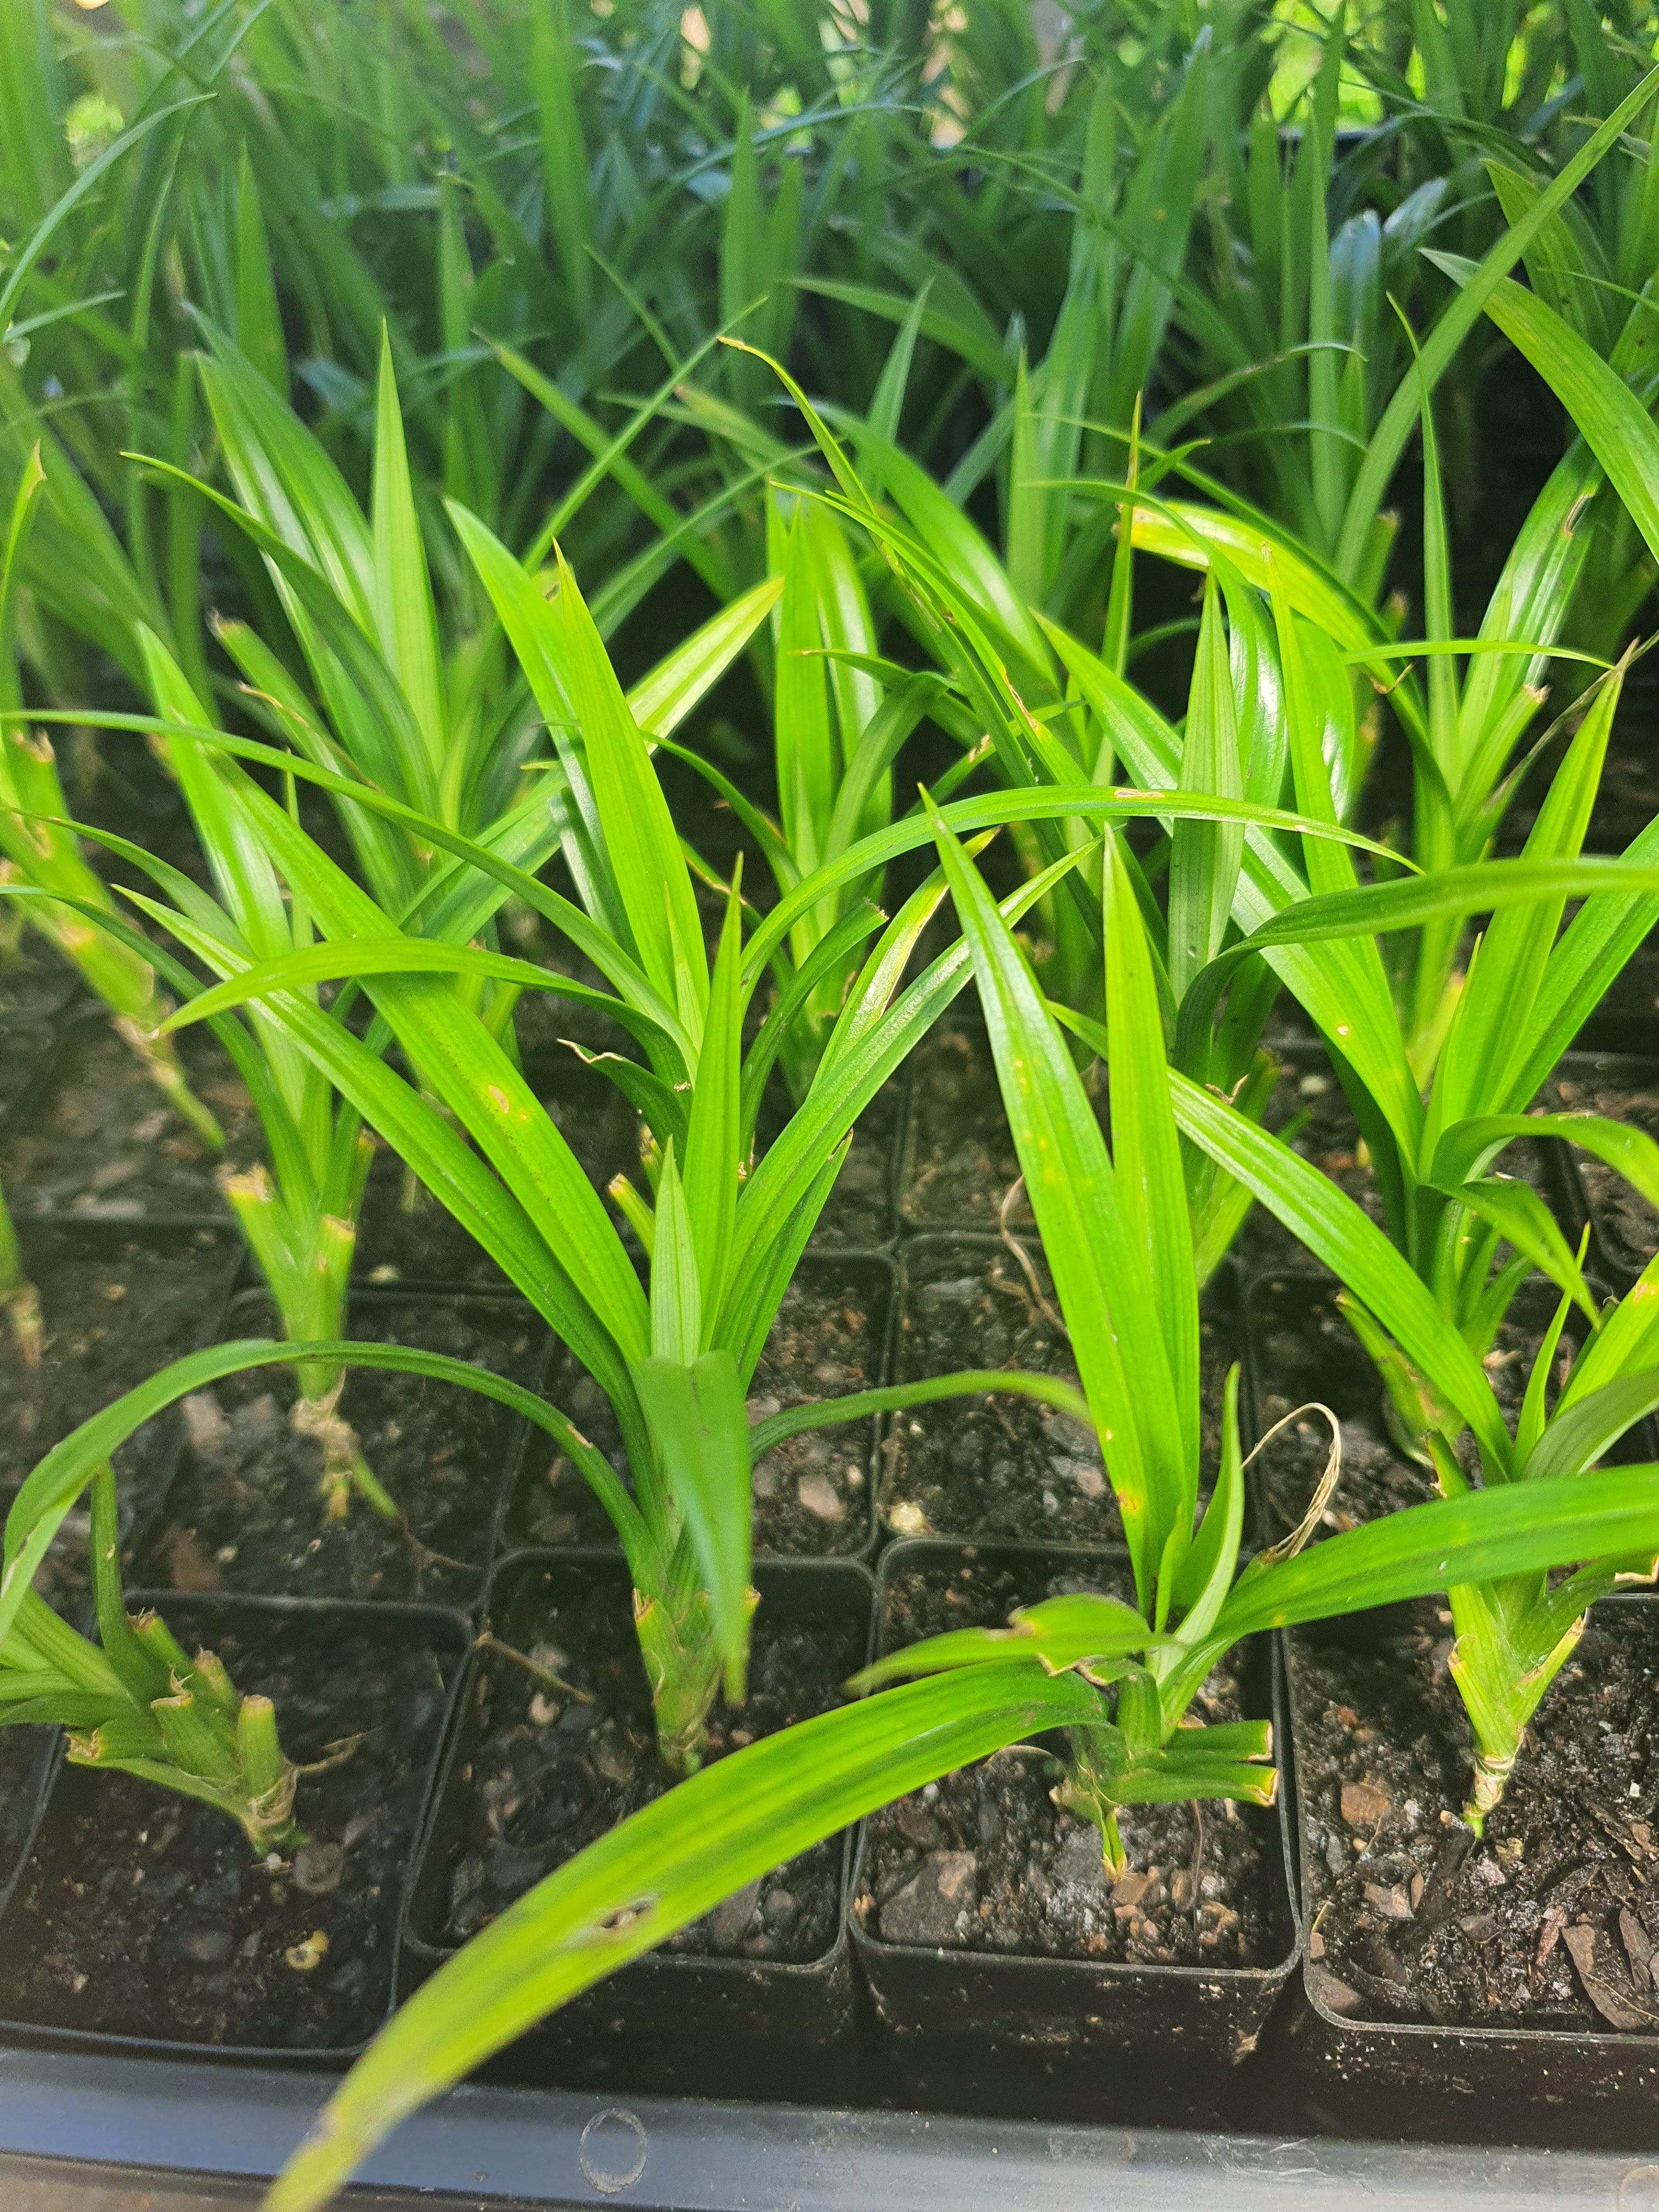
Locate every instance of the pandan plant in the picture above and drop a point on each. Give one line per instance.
(1116, 1680)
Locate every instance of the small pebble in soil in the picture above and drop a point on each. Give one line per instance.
(1551, 1919)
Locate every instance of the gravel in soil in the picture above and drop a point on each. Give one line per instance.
(244, 1511)
(984, 1860)
(1551, 1920)
(100, 1143)
(550, 1770)
(1627, 1091)
(1303, 1352)
(114, 1309)
(998, 1465)
(143, 1913)
(812, 1493)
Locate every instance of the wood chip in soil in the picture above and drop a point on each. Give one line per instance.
(1551, 1919)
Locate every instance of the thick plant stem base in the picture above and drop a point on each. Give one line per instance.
(683, 1670)
(1490, 1779)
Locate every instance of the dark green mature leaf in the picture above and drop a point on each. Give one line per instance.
(1370, 485)
(28, 255)
(1605, 411)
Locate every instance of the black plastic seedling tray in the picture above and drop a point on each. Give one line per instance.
(86, 2128)
(90, 2135)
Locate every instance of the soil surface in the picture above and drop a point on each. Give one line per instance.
(984, 1860)
(998, 1465)
(25, 1051)
(143, 1913)
(100, 1143)
(858, 1215)
(114, 1309)
(35, 983)
(812, 1493)
(23, 1753)
(1627, 797)
(548, 1771)
(1633, 995)
(960, 1162)
(244, 1511)
(1626, 1226)
(1549, 1920)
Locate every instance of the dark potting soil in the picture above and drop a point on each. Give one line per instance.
(1632, 996)
(143, 1913)
(25, 1052)
(959, 1163)
(1302, 1351)
(1549, 1920)
(1627, 797)
(114, 1309)
(984, 1860)
(1627, 1091)
(100, 1143)
(858, 1215)
(61, 1577)
(23, 1753)
(35, 983)
(998, 1465)
(244, 1511)
(812, 1492)
(859, 1211)
(549, 1771)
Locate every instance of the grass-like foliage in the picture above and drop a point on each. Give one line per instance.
(1117, 1678)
